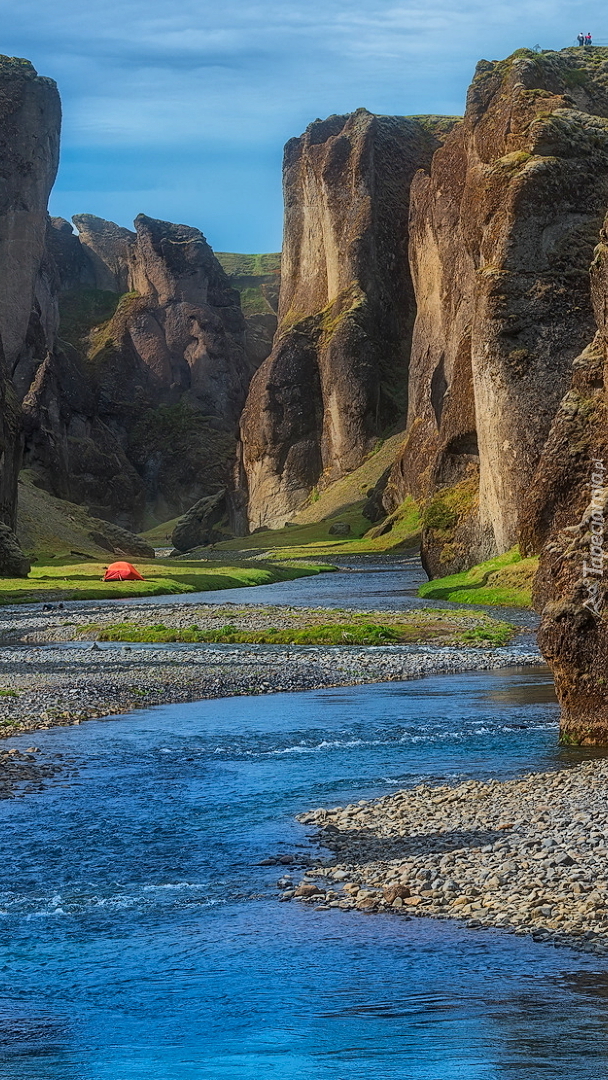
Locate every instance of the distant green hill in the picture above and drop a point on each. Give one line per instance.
(238, 265)
(257, 278)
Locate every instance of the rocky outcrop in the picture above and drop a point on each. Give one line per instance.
(72, 261)
(502, 233)
(107, 249)
(564, 517)
(120, 541)
(30, 120)
(199, 526)
(133, 411)
(13, 563)
(336, 377)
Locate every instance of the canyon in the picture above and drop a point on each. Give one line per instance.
(441, 279)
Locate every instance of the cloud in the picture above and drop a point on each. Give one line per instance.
(201, 83)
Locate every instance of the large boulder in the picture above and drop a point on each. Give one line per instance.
(198, 526)
(120, 541)
(13, 563)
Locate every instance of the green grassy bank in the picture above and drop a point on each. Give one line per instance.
(504, 581)
(313, 540)
(64, 579)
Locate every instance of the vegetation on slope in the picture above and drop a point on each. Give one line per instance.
(504, 581)
(256, 277)
(82, 309)
(314, 540)
(245, 265)
(48, 527)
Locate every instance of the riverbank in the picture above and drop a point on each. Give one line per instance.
(46, 686)
(529, 855)
(503, 581)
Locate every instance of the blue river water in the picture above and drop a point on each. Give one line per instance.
(141, 940)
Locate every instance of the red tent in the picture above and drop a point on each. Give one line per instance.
(122, 571)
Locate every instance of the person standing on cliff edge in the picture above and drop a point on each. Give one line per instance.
(588, 39)
(581, 39)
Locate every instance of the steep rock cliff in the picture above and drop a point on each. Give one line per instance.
(564, 517)
(30, 120)
(502, 233)
(133, 412)
(106, 248)
(336, 378)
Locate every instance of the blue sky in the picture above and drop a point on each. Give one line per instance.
(180, 110)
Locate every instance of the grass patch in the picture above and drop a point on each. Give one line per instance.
(449, 506)
(504, 581)
(253, 302)
(65, 580)
(329, 634)
(356, 629)
(83, 309)
(160, 535)
(313, 540)
(246, 265)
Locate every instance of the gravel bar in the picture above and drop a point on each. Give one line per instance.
(44, 686)
(528, 855)
(49, 623)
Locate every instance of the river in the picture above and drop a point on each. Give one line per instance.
(142, 939)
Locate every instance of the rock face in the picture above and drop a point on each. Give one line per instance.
(336, 377)
(107, 249)
(502, 233)
(564, 517)
(133, 410)
(13, 563)
(197, 528)
(30, 121)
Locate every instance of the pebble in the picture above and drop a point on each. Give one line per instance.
(21, 771)
(529, 855)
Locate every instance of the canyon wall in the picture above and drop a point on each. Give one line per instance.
(132, 409)
(30, 121)
(564, 518)
(502, 234)
(336, 378)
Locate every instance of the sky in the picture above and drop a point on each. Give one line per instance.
(180, 109)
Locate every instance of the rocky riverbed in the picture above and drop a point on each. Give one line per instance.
(529, 855)
(43, 686)
(23, 771)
